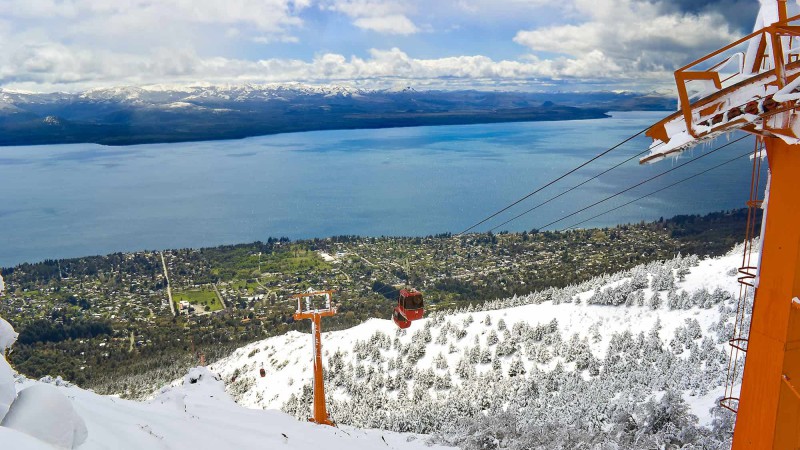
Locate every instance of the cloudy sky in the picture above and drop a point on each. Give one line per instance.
(71, 45)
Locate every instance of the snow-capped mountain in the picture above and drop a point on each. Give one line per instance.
(167, 113)
(155, 95)
(588, 356)
(198, 414)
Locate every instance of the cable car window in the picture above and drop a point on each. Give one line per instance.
(414, 302)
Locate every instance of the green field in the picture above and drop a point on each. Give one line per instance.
(205, 298)
(242, 263)
(250, 285)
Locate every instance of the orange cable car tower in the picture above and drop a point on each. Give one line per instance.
(320, 412)
(753, 85)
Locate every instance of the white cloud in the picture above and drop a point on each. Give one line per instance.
(75, 44)
(632, 35)
(391, 24)
(382, 16)
(80, 20)
(267, 15)
(484, 6)
(592, 65)
(56, 67)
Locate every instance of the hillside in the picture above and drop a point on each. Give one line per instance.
(639, 356)
(51, 413)
(76, 317)
(150, 114)
(631, 360)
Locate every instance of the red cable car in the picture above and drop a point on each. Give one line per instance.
(398, 318)
(409, 307)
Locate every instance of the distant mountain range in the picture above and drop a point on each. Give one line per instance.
(136, 115)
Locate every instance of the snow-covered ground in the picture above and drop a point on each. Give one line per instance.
(286, 359)
(612, 351)
(198, 414)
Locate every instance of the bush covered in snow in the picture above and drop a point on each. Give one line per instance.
(495, 377)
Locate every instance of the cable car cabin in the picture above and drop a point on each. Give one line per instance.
(411, 304)
(409, 307)
(399, 319)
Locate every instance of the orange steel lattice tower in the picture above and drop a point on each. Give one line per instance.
(316, 315)
(753, 85)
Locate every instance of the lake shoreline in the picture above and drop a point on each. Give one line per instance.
(68, 200)
(130, 116)
(287, 240)
(128, 136)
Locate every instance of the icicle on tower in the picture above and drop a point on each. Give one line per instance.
(320, 413)
(753, 85)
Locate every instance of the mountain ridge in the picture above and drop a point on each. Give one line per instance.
(128, 115)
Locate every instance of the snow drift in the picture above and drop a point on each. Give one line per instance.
(43, 412)
(7, 391)
(197, 414)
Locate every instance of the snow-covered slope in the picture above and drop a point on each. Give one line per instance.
(669, 321)
(629, 360)
(198, 414)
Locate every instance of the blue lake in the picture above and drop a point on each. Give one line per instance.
(75, 200)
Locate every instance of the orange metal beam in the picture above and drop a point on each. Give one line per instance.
(769, 410)
(683, 94)
(782, 12)
(320, 412)
(759, 59)
(777, 59)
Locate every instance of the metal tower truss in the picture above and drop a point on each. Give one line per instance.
(305, 310)
(753, 85)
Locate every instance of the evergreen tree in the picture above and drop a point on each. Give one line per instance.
(655, 301)
(516, 368)
(639, 278)
(492, 339)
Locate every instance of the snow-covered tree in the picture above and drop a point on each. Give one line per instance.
(492, 338)
(501, 324)
(516, 368)
(663, 279)
(639, 278)
(655, 301)
(440, 362)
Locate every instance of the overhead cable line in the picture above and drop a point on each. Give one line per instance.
(570, 172)
(659, 190)
(634, 186)
(571, 189)
(564, 176)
